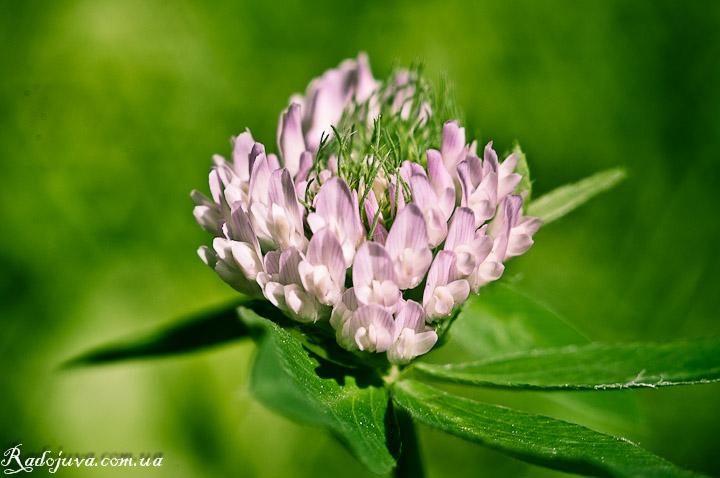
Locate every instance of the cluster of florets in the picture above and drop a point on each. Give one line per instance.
(383, 247)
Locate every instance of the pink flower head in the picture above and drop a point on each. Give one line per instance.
(370, 204)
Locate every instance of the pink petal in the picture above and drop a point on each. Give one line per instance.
(508, 166)
(281, 191)
(242, 146)
(462, 228)
(372, 262)
(306, 162)
(365, 318)
(325, 249)
(490, 162)
(438, 173)
(442, 271)
(289, 260)
(259, 180)
(407, 232)
(453, 145)
(291, 142)
(242, 228)
(410, 316)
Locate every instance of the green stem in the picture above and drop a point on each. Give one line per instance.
(409, 464)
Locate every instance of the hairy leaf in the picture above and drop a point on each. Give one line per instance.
(303, 386)
(593, 366)
(565, 199)
(533, 438)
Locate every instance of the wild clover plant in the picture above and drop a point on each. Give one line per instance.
(361, 246)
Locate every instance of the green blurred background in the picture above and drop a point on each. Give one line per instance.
(112, 109)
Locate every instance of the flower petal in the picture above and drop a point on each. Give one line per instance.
(411, 344)
(242, 229)
(242, 147)
(453, 145)
(324, 249)
(372, 262)
(371, 329)
(374, 277)
(410, 316)
(335, 207)
(442, 271)
(291, 142)
(343, 310)
(407, 232)
(462, 229)
(288, 265)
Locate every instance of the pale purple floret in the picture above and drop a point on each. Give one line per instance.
(283, 287)
(370, 329)
(436, 216)
(342, 311)
(407, 244)
(285, 216)
(441, 181)
(335, 207)
(492, 267)
(206, 212)
(453, 148)
(374, 278)
(443, 291)
(479, 188)
(322, 272)
(413, 336)
(291, 142)
(470, 246)
(245, 246)
(242, 147)
(521, 234)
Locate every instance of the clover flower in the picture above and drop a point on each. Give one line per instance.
(377, 216)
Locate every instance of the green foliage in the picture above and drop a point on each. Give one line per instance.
(593, 366)
(352, 402)
(565, 199)
(297, 383)
(537, 439)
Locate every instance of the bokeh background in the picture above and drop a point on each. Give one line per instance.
(111, 109)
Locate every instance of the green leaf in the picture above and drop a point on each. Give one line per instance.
(202, 330)
(303, 386)
(565, 199)
(522, 168)
(533, 438)
(502, 321)
(594, 366)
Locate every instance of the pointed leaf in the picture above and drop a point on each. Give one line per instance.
(199, 331)
(533, 438)
(594, 366)
(302, 386)
(565, 199)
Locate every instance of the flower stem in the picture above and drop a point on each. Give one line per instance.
(410, 461)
